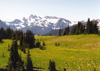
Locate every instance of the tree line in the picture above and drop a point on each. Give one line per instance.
(90, 28)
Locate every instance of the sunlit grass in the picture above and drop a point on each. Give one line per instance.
(75, 53)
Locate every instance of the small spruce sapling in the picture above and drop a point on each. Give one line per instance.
(43, 43)
(52, 66)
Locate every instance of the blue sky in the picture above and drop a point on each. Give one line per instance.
(74, 10)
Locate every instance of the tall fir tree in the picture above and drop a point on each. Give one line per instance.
(0, 38)
(29, 39)
(9, 32)
(2, 33)
(29, 65)
(14, 57)
(73, 30)
(66, 31)
(60, 32)
(88, 26)
(21, 40)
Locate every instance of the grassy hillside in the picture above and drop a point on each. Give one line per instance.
(75, 53)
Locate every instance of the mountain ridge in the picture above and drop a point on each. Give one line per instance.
(41, 25)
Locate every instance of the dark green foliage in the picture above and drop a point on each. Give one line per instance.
(3, 33)
(38, 44)
(60, 32)
(73, 31)
(18, 33)
(8, 47)
(66, 31)
(21, 40)
(9, 32)
(6, 34)
(14, 60)
(42, 47)
(95, 28)
(52, 66)
(90, 29)
(20, 64)
(29, 39)
(64, 69)
(29, 64)
(57, 44)
(22, 48)
(13, 36)
(78, 29)
(0, 38)
(43, 43)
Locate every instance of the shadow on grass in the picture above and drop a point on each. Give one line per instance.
(1, 42)
(38, 68)
(23, 70)
(34, 69)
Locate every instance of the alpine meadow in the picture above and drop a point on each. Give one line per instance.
(75, 52)
(49, 35)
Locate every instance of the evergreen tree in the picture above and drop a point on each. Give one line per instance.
(0, 38)
(38, 44)
(29, 39)
(66, 31)
(2, 33)
(43, 44)
(95, 28)
(60, 32)
(20, 64)
(29, 65)
(78, 29)
(52, 66)
(91, 27)
(21, 40)
(14, 57)
(73, 30)
(88, 26)
(13, 36)
(9, 32)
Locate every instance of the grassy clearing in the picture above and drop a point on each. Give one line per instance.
(75, 53)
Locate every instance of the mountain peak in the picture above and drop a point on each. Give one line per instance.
(51, 17)
(32, 16)
(16, 21)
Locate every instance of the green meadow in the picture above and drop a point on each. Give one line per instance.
(75, 53)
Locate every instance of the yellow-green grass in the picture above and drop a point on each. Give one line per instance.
(75, 53)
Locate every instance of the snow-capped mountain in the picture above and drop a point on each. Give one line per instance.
(3, 24)
(42, 25)
(39, 25)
